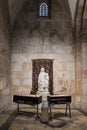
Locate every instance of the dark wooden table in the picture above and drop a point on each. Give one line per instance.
(60, 99)
(30, 100)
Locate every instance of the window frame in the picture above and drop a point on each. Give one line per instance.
(43, 10)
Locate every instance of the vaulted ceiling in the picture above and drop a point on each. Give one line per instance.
(76, 9)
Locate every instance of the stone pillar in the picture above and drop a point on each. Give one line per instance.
(78, 72)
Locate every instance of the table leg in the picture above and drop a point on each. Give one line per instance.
(50, 112)
(66, 109)
(69, 111)
(37, 112)
(17, 107)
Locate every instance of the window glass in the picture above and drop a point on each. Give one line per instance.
(43, 9)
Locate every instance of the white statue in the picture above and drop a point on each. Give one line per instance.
(43, 81)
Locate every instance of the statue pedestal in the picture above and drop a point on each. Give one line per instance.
(43, 94)
(44, 115)
(44, 97)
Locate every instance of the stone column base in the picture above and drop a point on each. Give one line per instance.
(44, 114)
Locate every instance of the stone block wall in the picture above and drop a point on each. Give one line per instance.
(42, 38)
(34, 37)
(4, 56)
(84, 75)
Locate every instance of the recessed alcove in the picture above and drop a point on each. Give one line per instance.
(37, 64)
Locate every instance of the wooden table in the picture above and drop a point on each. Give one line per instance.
(60, 99)
(31, 100)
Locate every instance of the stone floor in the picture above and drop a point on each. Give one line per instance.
(26, 120)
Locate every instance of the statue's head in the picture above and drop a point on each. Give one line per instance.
(42, 69)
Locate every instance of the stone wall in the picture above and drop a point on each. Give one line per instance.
(4, 56)
(84, 75)
(43, 38)
(84, 61)
(14, 7)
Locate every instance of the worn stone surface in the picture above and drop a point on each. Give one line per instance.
(43, 39)
(27, 120)
(36, 38)
(39, 38)
(4, 56)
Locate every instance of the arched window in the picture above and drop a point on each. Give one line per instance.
(43, 9)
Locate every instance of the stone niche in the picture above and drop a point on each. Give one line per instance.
(37, 64)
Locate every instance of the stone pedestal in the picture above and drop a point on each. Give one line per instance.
(44, 114)
(44, 95)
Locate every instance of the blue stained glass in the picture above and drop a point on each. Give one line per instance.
(43, 9)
